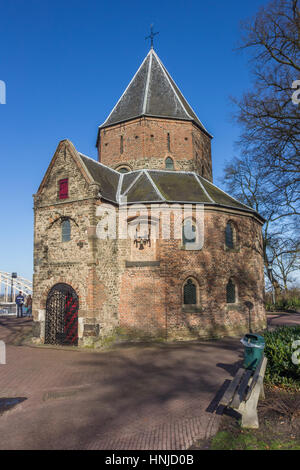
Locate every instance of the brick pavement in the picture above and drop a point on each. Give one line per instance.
(281, 319)
(146, 396)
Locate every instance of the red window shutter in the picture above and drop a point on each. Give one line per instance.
(63, 189)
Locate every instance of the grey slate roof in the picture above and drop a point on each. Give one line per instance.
(158, 186)
(152, 92)
(105, 176)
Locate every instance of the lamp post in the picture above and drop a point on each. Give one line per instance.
(250, 306)
(13, 276)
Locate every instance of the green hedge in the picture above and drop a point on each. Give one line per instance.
(278, 349)
(292, 303)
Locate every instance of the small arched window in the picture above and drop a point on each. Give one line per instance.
(123, 169)
(188, 232)
(229, 235)
(230, 292)
(65, 230)
(169, 163)
(190, 293)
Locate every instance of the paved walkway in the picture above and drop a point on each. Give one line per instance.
(281, 319)
(155, 396)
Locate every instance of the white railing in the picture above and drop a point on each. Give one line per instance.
(10, 286)
(8, 308)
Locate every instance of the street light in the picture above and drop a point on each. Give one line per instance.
(250, 306)
(13, 276)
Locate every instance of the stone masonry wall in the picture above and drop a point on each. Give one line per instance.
(81, 262)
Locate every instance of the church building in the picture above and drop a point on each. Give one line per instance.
(140, 244)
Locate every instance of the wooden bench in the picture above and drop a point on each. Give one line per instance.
(244, 391)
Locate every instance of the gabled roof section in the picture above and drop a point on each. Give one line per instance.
(148, 186)
(103, 175)
(143, 190)
(152, 92)
(183, 187)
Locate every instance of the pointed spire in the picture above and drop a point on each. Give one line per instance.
(152, 92)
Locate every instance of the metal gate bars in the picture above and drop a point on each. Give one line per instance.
(62, 316)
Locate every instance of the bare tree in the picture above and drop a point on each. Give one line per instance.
(281, 243)
(285, 265)
(266, 176)
(268, 117)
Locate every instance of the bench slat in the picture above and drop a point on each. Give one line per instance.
(260, 370)
(240, 392)
(229, 392)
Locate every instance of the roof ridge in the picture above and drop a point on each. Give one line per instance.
(231, 197)
(154, 186)
(125, 90)
(176, 94)
(169, 77)
(172, 171)
(199, 181)
(132, 183)
(189, 105)
(147, 83)
(120, 184)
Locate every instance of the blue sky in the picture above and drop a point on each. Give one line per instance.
(66, 63)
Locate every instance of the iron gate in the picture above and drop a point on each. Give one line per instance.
(62, 316)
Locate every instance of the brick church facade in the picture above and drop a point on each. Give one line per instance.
(204, 279)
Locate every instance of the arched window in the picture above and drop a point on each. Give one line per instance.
(65, 230)
(123, 169)
(169, 163)
(230, 292)
(190, 293)
(188, 232)
(229, 235)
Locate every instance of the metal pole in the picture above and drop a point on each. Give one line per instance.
(250, 320)
(250, 306)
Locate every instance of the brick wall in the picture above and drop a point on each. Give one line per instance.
(151, 297)
(145, 145)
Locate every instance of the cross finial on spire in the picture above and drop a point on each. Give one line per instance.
(151, 36)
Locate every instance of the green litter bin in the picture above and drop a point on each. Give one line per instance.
(254, 349)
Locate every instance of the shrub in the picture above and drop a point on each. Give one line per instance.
(278, 350)
(286, 300)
